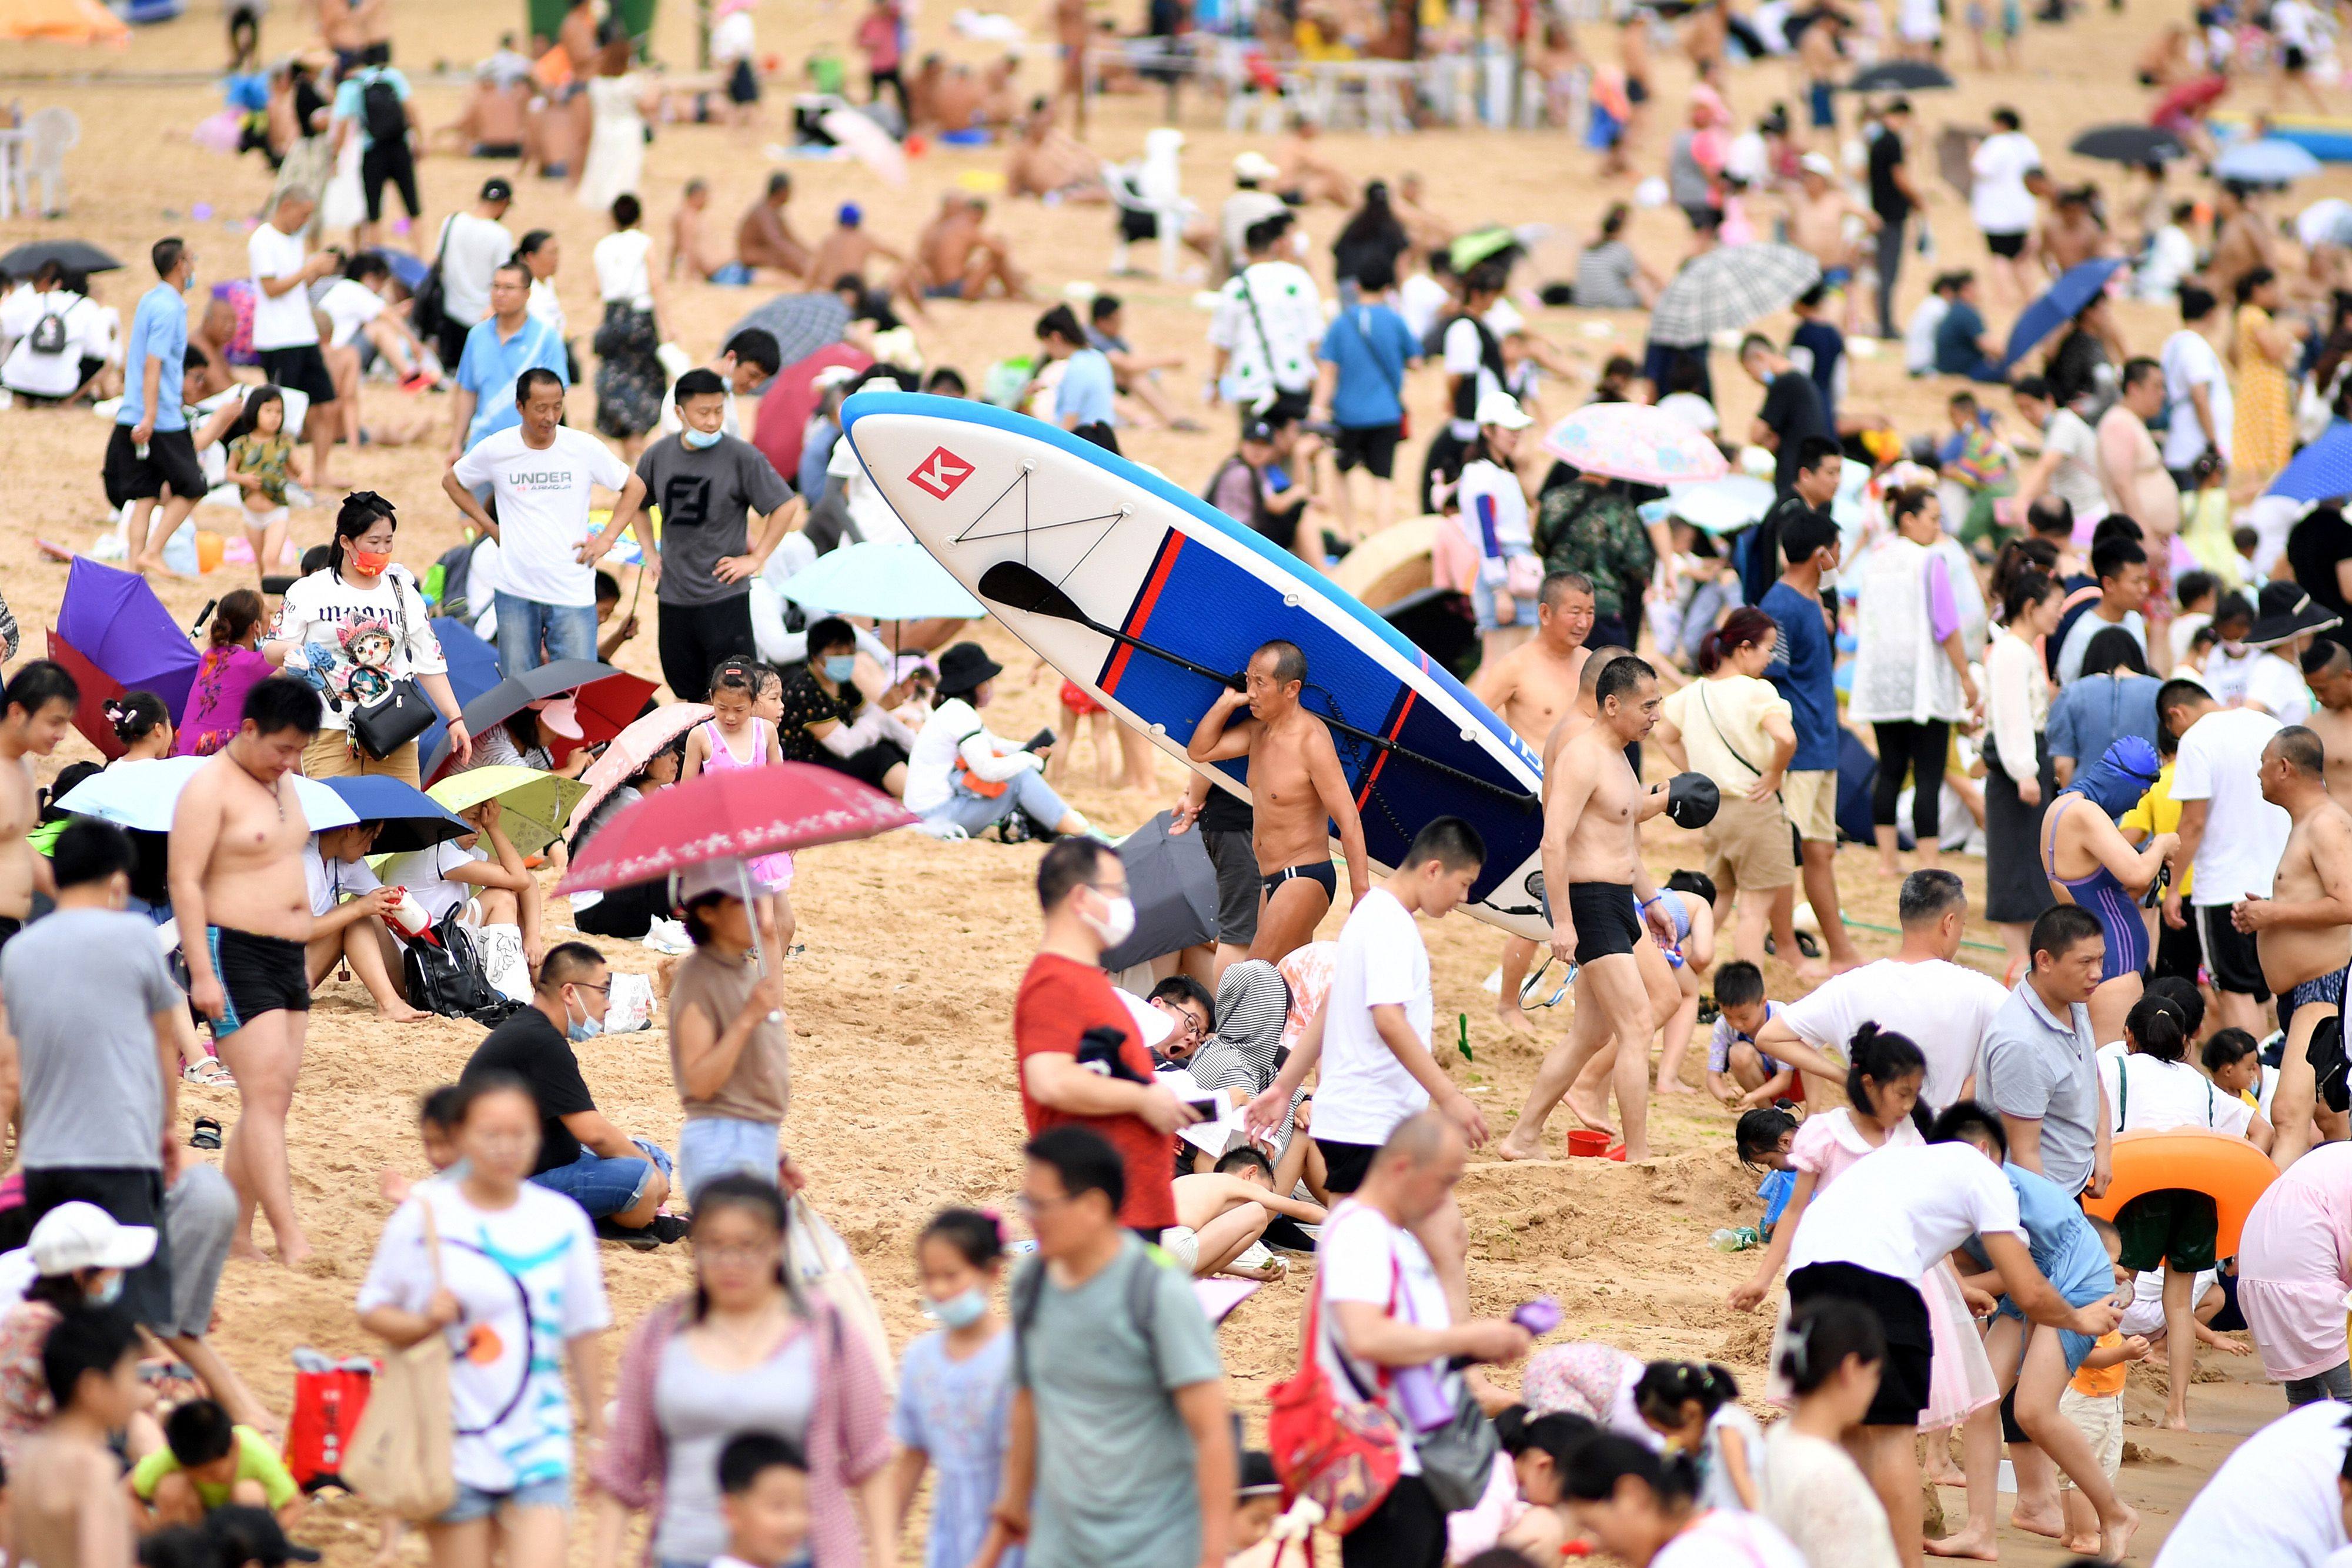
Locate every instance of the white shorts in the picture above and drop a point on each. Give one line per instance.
(1180, 1243)
(2146, 1314)
(2100, 1419)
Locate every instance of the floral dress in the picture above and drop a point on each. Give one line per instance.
(2265, 427)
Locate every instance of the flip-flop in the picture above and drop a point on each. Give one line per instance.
(206, 1133)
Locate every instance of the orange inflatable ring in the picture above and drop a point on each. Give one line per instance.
(2229, 1170)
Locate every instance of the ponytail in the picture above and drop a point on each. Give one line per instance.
(1743, 628)
(1664, 1388)
(2158, 1028)
(1823, 1336)
(1882, 1056)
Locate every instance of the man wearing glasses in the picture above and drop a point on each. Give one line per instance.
(1191, 1011)
(621, 1181)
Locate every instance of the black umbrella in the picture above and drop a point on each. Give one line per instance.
(2127, 144)
(1900, 76)
(1175, 892)
(514, 693)
(73, 255)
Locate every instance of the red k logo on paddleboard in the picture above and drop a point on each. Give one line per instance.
(940, 473)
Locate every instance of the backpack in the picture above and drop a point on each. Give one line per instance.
(380, 111)
(444, 975)
(1343, 1453)
(48, 333)
(329, 1399)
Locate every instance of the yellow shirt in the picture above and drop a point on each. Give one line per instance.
(2106, 1382)
(2157, 812)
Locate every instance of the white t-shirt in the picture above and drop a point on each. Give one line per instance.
(353, 644)
(2221, 762)
(2277, 685)
(1360, 1257)
(1999, 202)
(2189, 362)
(2087, 625)
(1918, 1204)
(472, 248)
(425, 874)
(1364, 1090)
(2226, 674)
(1943, 1007)
(1814, 1491)
(1465, 359)
(543, 498)
(2291, 20)
(527, 1280)
(2146, 1094)
(57, 374)
(1420, 300)
(283, 321)
(1721, 1538)
(350, 305)
(1499, 488)
(621, 274)
(545, 305)
(2075, 479)
(330, 884)
(733, 39)
(931, 760)
(2274, 1501)
(1919, 334)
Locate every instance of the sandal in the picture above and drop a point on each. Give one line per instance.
(212, 1073)
(206, 1134)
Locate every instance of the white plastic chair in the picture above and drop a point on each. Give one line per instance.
(1151, 186)
(49, 134)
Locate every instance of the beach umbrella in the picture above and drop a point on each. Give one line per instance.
(2321, 471)
(411, 818)
(1174, 889)
(801, 324)
(1634, 440)
(2075, 288)
(1724, 290)
(73, 255)
(791, 396)
(630, 751)
(534, 806)
(473, 670)
(893, 579)
(867, 142)
(2327, 221)
(1480, 244)
(735, 814)
(2183, 99)
(141, 796)
(1900, 76)
(408, 268)
(2269, 161)
(116, 636)
(1722, 506)
(2127, 144)
(605, 703)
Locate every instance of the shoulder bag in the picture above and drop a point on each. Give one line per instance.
(1457, 1457)
(403, 712)
(1344, 1454)
(401, 1456)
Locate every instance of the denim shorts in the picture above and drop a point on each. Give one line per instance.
(2077, 1347)
(473, 1503)
(604, 1187)
(709, 1147)
(1482, 602)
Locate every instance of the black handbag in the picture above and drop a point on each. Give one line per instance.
(428, 306)
(402, 714)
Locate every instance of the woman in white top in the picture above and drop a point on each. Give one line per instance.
(629, 379)
(540, 253)
(618, 103)
(1812, 1487)
(1911, 678)
(2019, 778)
(1644, 1508)
(1494, 515)
(960, 777)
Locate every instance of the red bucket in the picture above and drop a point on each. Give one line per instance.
(1585, 1145)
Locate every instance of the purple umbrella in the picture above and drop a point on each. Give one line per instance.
(113, 620)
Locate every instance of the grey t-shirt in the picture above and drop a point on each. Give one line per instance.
(83, 987)
(701, 1412)
(1115, 1461)
(2037, 1066)
(703, 498)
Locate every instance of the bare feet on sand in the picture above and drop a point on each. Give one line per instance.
(244, 1248)
(1598, 1120)
(1513, 1018)
(1515, 1147)
(2051, 1524)
(401, 1012)
(1939, 1468)
(2172, 1423)
(1977, 1544)
(2115, 1534)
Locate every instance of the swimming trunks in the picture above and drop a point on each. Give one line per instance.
(1836, 276)
(2109, 902)
(943, 291)
(1605, 917)
(9, 926)
(2323, 990)
(1319, 872)
(258, 974)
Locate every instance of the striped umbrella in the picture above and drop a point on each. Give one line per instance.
(1724, 290)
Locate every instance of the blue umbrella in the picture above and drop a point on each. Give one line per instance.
(2075, 288)
(409, 269)
(411, 818)
(473, 670)
(890, 580)
(2269, 161)
(141, 796)
(2321, 471)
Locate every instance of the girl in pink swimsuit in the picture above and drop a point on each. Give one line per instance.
(734, 737)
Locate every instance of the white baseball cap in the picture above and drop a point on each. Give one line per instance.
(1254, 166)
(1817, 163)
(1501, 410)
(77, 1236)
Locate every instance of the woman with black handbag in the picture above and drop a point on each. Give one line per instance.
(358, 631)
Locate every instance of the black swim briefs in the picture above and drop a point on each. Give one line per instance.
(1605, 920)
(1319, 872)
(258, 974)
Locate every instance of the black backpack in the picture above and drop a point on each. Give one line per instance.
(449, 979)
(48, 333)
(380, 113)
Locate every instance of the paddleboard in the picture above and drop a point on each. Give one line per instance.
(982, 486)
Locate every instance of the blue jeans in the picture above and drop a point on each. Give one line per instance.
(525, 626)
(1027, 790)
(602, 1187)
(473, 1503)
(709, 1147)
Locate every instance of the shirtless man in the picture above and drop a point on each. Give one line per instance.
(1048, 162)
(764, 240)
(243, 908)
(2328, 672)
(1305, 178)
(1594, 882)
(35, 711)
(1070, 36)
(686, 237)
(208, 344)
(845, 252)
(351, 28)
(2071, 234)
(1298, 792)
(1532, 688)
(957, 258)
(1817, 225)
(69, 1502)
(1227, 1211)
(2304, 930)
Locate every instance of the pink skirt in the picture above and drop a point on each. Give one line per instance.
(1959, 1379)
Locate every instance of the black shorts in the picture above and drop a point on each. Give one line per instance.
(2009, 245)
(1373, 445)
(9, 926)
(1606, 924)
(303, 368)
(1237, 884)
(259, 975)
(1637, 89)
(742, 83)
(388, 163)
(133, 1195)
(1318, 872)
(2294, 60)
(170, 463)
(2230, 955)
(1344, 1166)
(869, 765)
(1901, 1312)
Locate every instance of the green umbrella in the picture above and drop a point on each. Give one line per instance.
(1476, 247)
(533, 806)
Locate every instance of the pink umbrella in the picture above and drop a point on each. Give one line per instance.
(631, 750)
(1634, 440)
(735, 814)
(871, 145)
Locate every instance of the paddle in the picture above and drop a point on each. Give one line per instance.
(1025, 589)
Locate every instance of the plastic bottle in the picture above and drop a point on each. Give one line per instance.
(1740, 1240)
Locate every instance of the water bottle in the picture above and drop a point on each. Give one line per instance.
(1423, 1395)
(1740, 1240)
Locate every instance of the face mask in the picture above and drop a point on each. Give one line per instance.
(586, 1028)
(958, 1312)
(1116, 926)
(699, 440)
(370, 562)
(106, 1295)
(840, 669)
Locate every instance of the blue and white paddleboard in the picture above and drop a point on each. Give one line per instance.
(1113, 545)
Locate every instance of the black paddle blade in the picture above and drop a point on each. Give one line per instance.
(1026, 588)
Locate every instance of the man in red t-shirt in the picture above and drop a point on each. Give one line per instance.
(1083, 888)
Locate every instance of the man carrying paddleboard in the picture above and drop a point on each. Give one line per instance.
(1299, 794)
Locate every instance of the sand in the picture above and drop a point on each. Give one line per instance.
(904, 1096)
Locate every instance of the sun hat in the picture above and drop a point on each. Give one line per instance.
(77, 1236)
(2284, 612)
(1817, 163)
(1254, 167)
(559, 714)
(963, 667)
(1502, 410)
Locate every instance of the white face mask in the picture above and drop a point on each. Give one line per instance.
(1117, 923)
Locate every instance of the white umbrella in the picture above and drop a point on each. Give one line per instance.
(868, 142)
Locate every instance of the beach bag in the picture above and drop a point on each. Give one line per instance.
(1344, 1454)
(823, 1266)
(380, 113)
(1457, 1459)
(330, 1397)
(399, 1456)
(444, 975)
(48, 333)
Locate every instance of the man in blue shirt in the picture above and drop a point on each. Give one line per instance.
(374, 103)
(1803, 668)
(499, 349)
(1365, 352)
(1088, 390)
(151, 450)
(1963, 346)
